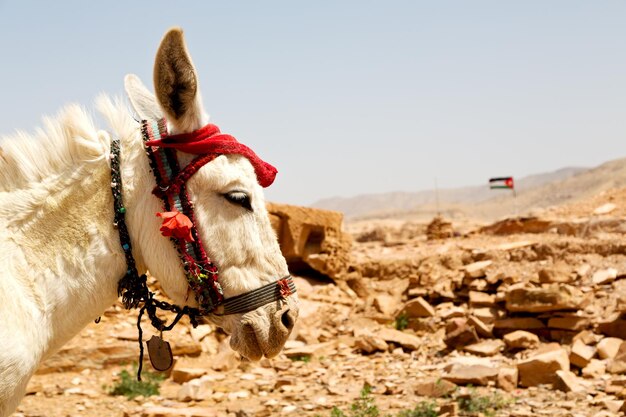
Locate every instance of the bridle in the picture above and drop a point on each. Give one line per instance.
(201, 273)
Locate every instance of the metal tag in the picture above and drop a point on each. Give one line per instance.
(160, 353)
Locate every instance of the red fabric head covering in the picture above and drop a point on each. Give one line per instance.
(209, 140)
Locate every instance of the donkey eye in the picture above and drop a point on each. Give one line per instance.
(239, 198)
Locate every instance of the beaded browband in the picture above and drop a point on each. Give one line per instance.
(179, 224)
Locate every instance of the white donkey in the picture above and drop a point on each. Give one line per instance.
(62, 258)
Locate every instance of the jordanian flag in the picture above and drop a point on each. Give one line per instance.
(501, 182)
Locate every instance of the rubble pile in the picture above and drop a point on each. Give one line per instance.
(536, 315)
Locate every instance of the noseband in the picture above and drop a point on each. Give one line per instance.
(201, 273)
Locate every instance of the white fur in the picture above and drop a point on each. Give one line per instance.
(61, 258)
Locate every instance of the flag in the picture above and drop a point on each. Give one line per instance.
(501, 182)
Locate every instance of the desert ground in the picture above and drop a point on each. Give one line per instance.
(517, 317)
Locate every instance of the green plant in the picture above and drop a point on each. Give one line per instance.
(402, 321)
(364, 406)
(129, 387)
(422, 409)
(486, 404)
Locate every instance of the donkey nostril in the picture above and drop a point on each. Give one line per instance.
(287, 320)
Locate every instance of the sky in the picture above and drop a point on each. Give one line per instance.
(350, 97)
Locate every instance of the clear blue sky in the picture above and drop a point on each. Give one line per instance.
(351, 97)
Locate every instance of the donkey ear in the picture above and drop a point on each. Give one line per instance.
(176, 85)
(143, 101)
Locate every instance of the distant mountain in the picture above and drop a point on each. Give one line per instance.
(533, 192)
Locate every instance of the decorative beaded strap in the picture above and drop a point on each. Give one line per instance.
(201, 273)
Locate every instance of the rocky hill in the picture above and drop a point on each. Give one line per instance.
(534, 192)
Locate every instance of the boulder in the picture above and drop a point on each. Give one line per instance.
(459, 333)
(581, 354)
(485, 348)
(439, 228)
(507, 378)
(387, 304)
(618, 364)
(406, 340)
(608, 347)
(370, 343)
(614, 328)
(559, 273)
(311, 239)
(568, 382)
(418, 307)
(181, 375)
(553, 297)
(477, 269)
(194, 390)
(434, 387)
(521, 339)
(482, 329)
(573, 323)
(471, 374)
(481, 299)
(595, 369)
(541, 368)
(604, 276)
(518, 323)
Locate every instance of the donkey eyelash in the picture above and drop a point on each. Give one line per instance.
(239, 198)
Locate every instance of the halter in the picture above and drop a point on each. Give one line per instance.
(180, 225)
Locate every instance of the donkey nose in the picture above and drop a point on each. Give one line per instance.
(285, 319)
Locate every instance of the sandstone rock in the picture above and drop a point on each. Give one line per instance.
(541, 368)
(595, 369)
(518, 323)
(434, 387)
(387, 304)
(604, 209)
(568, 382)
(226, 358)
(559, 273)
(418, 307)
(317, 349)
(552, 297)
(195, 390)
(573, 323)
(482, 329)
(581, 354)
(521, 339)
(487, 315)
(485, 348)
(471, 374)
(406, 340)
(459, 333)
(477, 269)
(507, 378)
(449, 410)
(604, 276)
(451, 312)
(179, 412)
(608, 347)
(312, 237)
(618, 364)
(180, 375)
(587, 337)
(481, 299)
(371, 343)
(439, 228)
(614, 328)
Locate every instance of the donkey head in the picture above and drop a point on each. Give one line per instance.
(229, 207)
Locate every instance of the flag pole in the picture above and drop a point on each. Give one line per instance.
(515, 202)
(437, 197)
